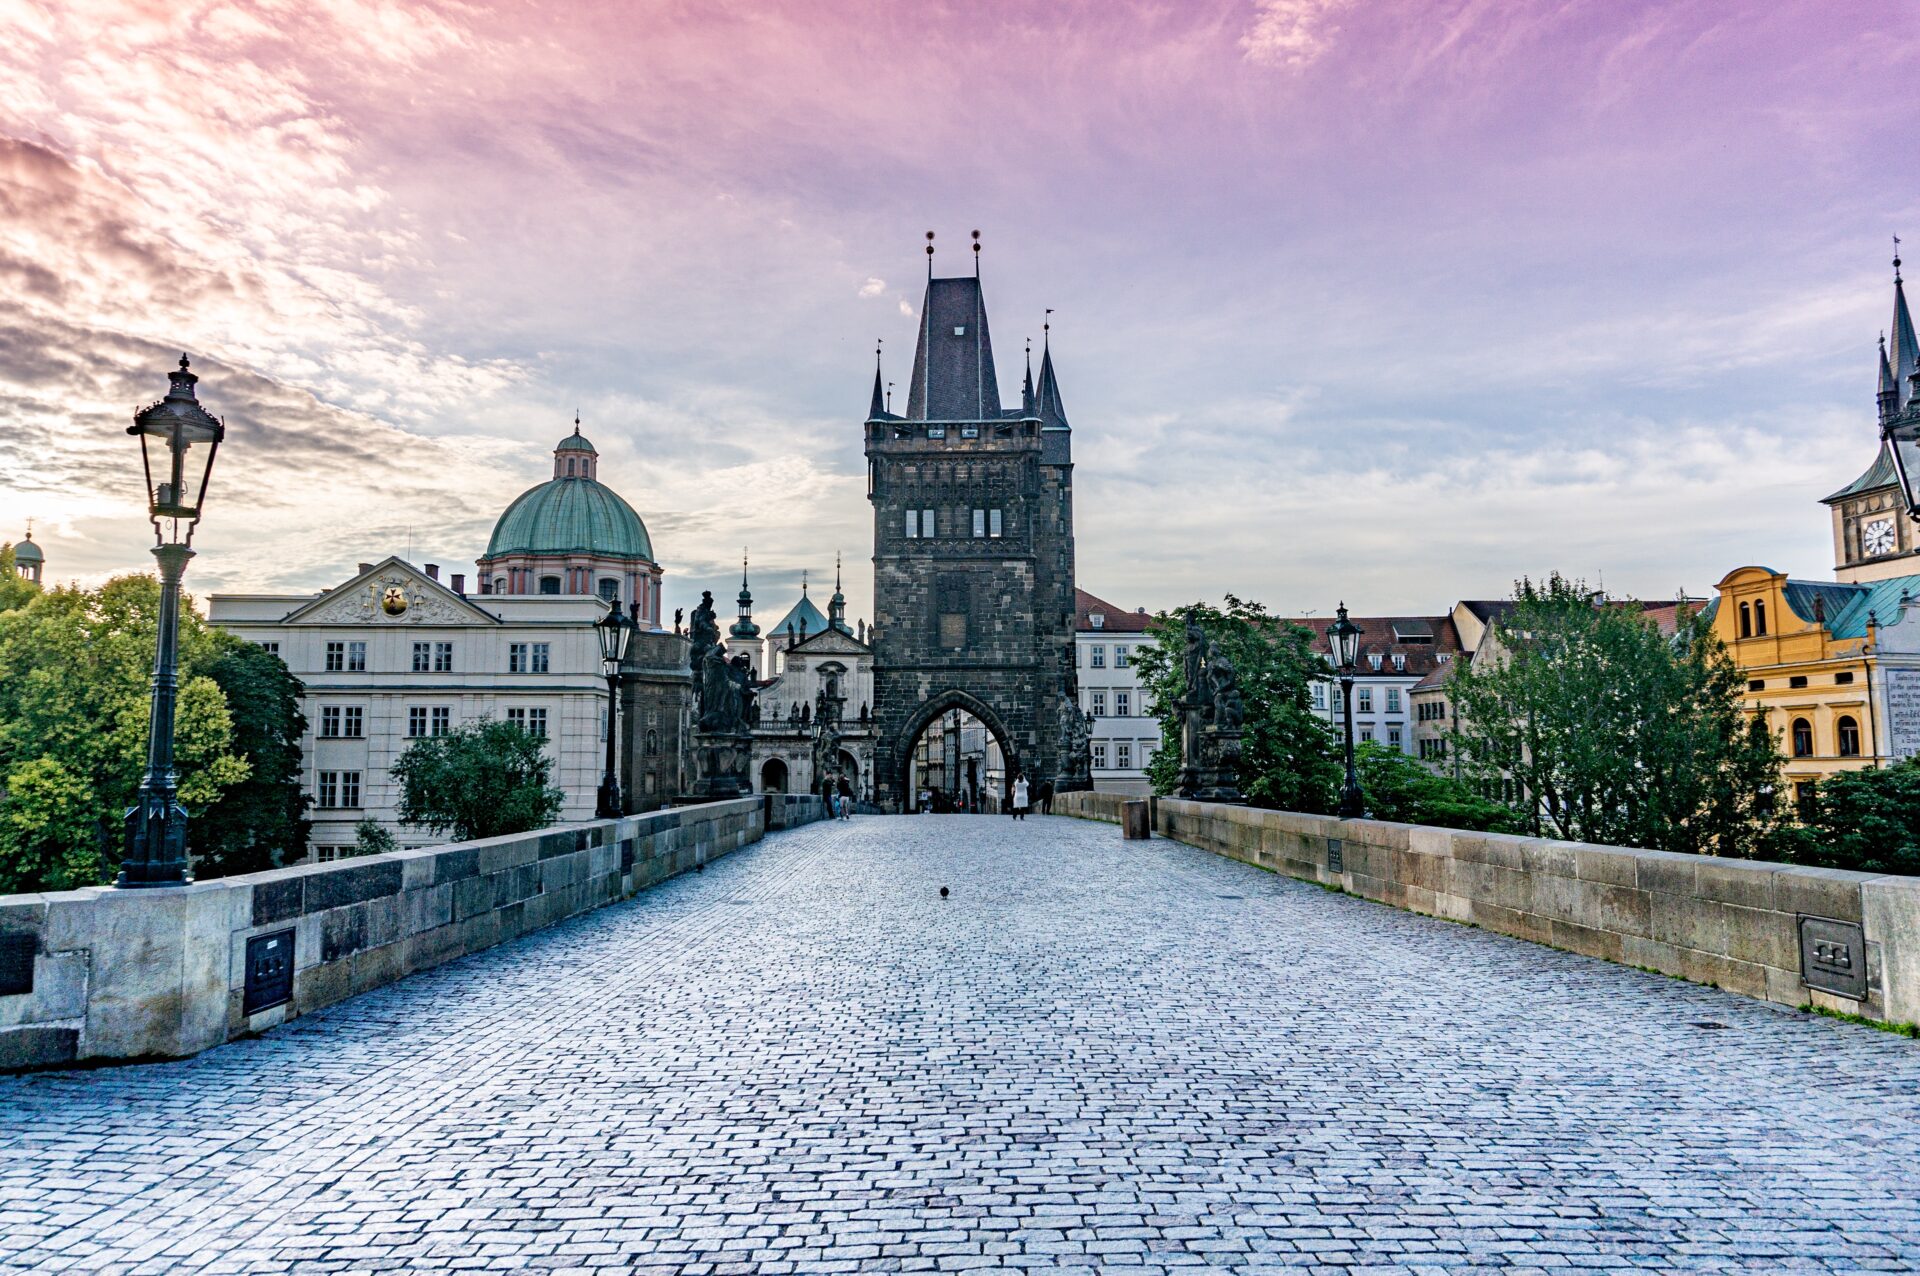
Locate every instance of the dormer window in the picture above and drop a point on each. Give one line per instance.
(1373, 658)
(1098, 619)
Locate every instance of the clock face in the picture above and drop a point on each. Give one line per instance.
(1877, 537)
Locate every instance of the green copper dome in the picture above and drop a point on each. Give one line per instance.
(571, 516)
(28, 552)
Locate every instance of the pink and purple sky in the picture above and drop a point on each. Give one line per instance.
(1389, 300)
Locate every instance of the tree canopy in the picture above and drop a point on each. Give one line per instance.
(1289, 758)
(1400, 789)
(1615, 731)
(1865, 820)
(482, 779)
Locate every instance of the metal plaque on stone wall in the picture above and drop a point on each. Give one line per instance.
(16, 963)
(1833, 957)
(1336, 856)
(269, 971)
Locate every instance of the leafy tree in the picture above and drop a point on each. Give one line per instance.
(1615, 731)
(1288, 758)
(371, 837)
(15, 590)
(260, 822)
(1400, 789)
(1866, 820)
(75, 672)
(482, 779)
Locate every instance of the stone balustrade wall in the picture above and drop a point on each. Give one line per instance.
(1744, 925)
(101, 973)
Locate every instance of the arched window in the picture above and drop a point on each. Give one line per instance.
(1802, 738)
(1746, 621)
(1760, 620)
(549, 584)
(653, 743)
(570, 469)
(1849, 731)
(499, 584)
(609, 588)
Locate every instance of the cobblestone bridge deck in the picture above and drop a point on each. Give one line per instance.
(1093, 1055)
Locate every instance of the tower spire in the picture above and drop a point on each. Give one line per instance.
(837, 605)
(744, 628)
(1888, 396)
(1903, 353)
(976, 254)
(1026, 386)
(878, 408)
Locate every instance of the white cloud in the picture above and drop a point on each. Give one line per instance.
(1291, 33)
(873, 287)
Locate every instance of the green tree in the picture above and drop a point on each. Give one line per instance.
(482, 779)
(1288, 758)
(75, 671)
(260, 822)
(1615, 731)
(15, 590)
(1400, 789)
(371, 837)
(1866, 820)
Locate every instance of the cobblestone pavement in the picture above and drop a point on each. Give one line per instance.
(1094, 1055)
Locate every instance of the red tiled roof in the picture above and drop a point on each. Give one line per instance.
(1387, 636)
(1114, 620)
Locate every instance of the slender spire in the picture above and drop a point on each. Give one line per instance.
(744, 628)
(976, 254)
(1026, 387)
(929, 256)
(1053, 412)
(837, 605)
(879, 406)
(1888, 396)
(1904, 349)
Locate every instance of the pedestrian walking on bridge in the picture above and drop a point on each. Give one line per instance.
(1020, 797)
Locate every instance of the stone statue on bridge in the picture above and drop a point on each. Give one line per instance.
(1212, 714)
(723, 741)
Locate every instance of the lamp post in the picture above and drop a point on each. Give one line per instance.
(615, 633)
(1343, 637)
(156, 826)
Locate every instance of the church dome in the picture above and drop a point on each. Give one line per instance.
(571, 513)
(28, 552)
(571, 516)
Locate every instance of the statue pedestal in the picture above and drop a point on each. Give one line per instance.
(1212, 761)
(724, 764)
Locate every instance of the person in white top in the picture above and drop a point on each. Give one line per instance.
(1020, 797)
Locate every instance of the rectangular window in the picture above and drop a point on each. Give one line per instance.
(541, 653)
(518, 718)
(1393, 700)
(1804, 800)
(913, 525)
(936, 431)
(326, 793)
(336, 657)
(325, 854)
(271, 648)
(329, 722)
(442, 720)
(1393, 738)
(927, 528)
(516, 657)
(443, 657)
(1366, 735)
(350, 788)
(1099, 656)
(356, 657)
(1796, 682)
(1363, 700)
(1843, 679)
(353, 722)
(979, 524)
(422, 657)
(416, 721)
(1122, 705)
(1339, 700)
(1319, 695)
(994, 525)
(1099, 699)
(1100, 755)
(1120, 657)
(1123, 755)
(537, 723)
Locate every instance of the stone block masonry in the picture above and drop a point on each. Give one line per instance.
(100, 974)
(1737, 924)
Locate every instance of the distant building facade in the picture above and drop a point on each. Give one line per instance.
(1125, 731)
(1396, 654)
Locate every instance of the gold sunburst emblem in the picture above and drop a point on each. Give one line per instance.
(394, 600)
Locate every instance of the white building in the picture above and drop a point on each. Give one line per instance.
(1125, 732)
(392, 655)
(1396, 653)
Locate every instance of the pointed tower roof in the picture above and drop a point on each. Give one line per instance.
(953, 374)
(877, 410)
(1053, 413)
(1904, 356)
(837, 605)
(744, 627)
(803, 617)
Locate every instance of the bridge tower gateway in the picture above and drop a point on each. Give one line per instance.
(972, 550)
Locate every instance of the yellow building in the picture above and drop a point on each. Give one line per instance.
(1835, 666)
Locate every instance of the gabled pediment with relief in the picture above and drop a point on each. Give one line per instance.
(392, 593)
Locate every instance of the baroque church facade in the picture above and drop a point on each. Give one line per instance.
(973, 558)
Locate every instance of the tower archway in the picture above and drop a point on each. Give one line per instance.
(957, 751)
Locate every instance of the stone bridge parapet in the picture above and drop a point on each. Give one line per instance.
(1844, 941)
(101, 973)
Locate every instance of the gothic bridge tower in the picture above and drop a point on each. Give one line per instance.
(972, 548)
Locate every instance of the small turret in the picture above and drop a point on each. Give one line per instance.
(744, 628)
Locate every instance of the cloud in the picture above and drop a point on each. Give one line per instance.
(1291, 33)
(873, 287)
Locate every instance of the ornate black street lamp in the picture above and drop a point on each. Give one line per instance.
(615, 633)
(156, 845)
(1343, 637)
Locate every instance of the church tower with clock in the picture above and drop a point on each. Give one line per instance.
(1874, 537)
